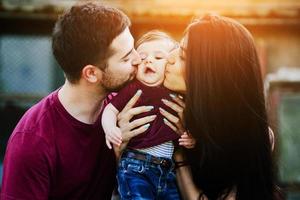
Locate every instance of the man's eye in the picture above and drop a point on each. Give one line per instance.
(126, 60)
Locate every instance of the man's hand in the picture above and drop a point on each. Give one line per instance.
(138, 126)
(134, 128)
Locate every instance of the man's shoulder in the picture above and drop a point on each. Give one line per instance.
(45, 102)
(33, 134)
(38, 116)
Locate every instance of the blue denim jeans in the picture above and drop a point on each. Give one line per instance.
(144, 180)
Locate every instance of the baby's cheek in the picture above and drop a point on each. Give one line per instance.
(163, 63)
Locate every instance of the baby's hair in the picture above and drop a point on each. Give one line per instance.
(155, 35)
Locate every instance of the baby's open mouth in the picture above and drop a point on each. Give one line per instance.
(149, 70)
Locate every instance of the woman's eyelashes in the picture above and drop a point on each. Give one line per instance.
(181, 55)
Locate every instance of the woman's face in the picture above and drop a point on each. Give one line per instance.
(175, 69)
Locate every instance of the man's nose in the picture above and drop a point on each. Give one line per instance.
(137, 59)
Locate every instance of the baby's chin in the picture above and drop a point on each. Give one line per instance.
(151, 82)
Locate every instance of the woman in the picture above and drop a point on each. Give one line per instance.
(218, 71)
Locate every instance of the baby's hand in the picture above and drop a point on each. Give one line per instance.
(114, 136)
(187, 140)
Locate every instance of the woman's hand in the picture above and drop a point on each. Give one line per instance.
(174, 122)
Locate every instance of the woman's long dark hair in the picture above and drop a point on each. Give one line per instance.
(225, 111)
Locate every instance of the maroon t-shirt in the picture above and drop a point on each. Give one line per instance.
(51, 155)
(158, 132)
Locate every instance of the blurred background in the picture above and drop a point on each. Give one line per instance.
(28, 70)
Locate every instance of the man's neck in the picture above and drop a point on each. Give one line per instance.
(81, 101)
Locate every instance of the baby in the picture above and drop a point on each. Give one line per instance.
(146, 166)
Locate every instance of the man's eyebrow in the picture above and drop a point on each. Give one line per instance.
(127, 54)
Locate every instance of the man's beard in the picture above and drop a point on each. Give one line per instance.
(112, 84)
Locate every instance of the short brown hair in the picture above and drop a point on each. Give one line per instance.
(82, 36)
(155, 35)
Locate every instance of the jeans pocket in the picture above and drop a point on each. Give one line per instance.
(135, 167)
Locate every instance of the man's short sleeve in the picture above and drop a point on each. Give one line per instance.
(27, 168)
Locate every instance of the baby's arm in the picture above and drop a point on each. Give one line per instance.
(187, 140)
(109, 123)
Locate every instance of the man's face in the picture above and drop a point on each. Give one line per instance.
(120, 69)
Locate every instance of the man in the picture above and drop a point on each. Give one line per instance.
(57, 150)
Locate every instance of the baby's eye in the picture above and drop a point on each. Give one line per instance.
(143, 56)
(160, 56)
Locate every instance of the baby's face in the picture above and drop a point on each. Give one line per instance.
(151, 71)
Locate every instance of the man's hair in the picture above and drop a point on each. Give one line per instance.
(155, 35)
(83, 34)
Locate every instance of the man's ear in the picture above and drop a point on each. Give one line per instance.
(91, 73)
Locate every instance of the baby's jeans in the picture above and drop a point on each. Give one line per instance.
(142, 176)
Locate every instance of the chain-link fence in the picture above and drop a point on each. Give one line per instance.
(27, 67)
(28, 71)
